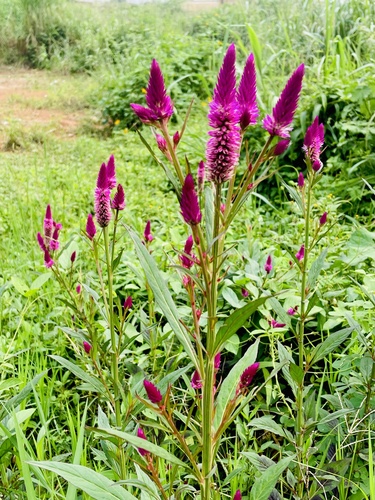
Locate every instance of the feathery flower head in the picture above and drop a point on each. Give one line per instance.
(280, 122)
(323, 219)
(217, 361)
(54, 241)
(301, 180)
(281, 147)
(188, 262)
(90, 227)
(313, 142)
(200, 175)
(102, 179)
(128, 303)
(111, 172)
(48, 262)
(160, 106)
(223, 147)
(196, 381)
(41, 243)
(300, 255)
(118, 202)
(189, 204)
(48, 223)
(247, 376)
(247, 95)
(268, 265)
(153, 393)
(237, 495)
(147, 232)
(142, 435)
(102, 198)
(87, 347)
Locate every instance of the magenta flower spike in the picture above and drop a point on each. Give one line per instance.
(41, 243)
(247, 95)
(222, 150)
(268, 265)
(237, 495)
(300, 255)
(189, 204)
(142, 435)
(147, 232)
(196, 381)
(217, 361)
(48, 262)
(323, 219)
(111, 172)
(118, 202)
(292, 310)
(160, 106)
(153, 393)
(87, 347)
(313, 142)
(187, 262)
(90, 227)
(73, 257)
(102, 198)
(128, 303)
(276, 324)
(301, 180)
(281, 147)
(247, 376)
(48, 223)
(201, 175)
(280, 122)
(54, 242)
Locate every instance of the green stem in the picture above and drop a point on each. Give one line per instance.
(172, 152)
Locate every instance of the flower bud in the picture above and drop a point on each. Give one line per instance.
(87, 347)
(153, 393)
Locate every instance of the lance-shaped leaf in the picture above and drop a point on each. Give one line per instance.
(162, 296)
(263, 485)
(94, 384)
(330, 344)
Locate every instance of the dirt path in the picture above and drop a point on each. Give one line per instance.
(40, 102)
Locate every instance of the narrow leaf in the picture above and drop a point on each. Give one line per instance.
(268, 424)
(264, 484)
(315, 269)
(330, 344)
(95, 384)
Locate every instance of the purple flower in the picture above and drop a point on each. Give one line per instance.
(292, 310)
(48, 223)
(247, 95)
(301, 180)
(78, 289)
(176, 139)
(111, 172)
(217, 361)
(87, 347)
(147, 232)
(73, 257)
(276, 324)
(323, 219)
(189, 205)
(237, 495)
(162, 145)
(142, 435)
(102, 198)
(300, 255)
(247, 377)
(188, 262)
(244, 292)
(280, 123)
(118, 202)
(128, 303)
(48, 262)
(90, 227)
(54, 243)
(41, 243)
(196, 382)
(313, 142)
(153, 393)
(160, 106)
(281, 147)
(223, 147)
(200, 175)
(268, 265)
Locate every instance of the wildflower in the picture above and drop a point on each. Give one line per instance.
(187, 262)
(222, 208)
(153, 393)
(300, 255)
(118, 202)
(176, 139)
(313, 142)
(48, 262)
(276, 324)
(142, 435)
(41, 243)
(87, 347)
(162, 145)
(189, 202)
(268, 265)
(217, 361)
(48, 223)
(78, 289)
(54, 243)
(223, 147)
(196, 382)
(280, 123)
(247, 377)
(200, 175)
(246, 95)
(73, 257)
(160, 106)
(292, 310)
(102, 198)
(147, 232)
(301, 180)
(244, 292)
(281, 147)
(323, 219)
(237, 495)
(111, 172)
(90, 227)
(128, 303)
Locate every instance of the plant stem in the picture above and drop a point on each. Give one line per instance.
(172, 152)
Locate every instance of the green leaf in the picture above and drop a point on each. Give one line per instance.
(330, 344)
(19, 285)
(285, 356)
(40, 280)
(71, 493)
(296, 373)
(315, 269)
(235, 321)
(256, 48)
(16, 400)
(232, 344)
(231, 297)
(141, 443)
(294, 194)
(94, 384)
(162, 296)
(267, 423)
(94, 484)
(229, 384)
(263, 485)
(281, 313)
